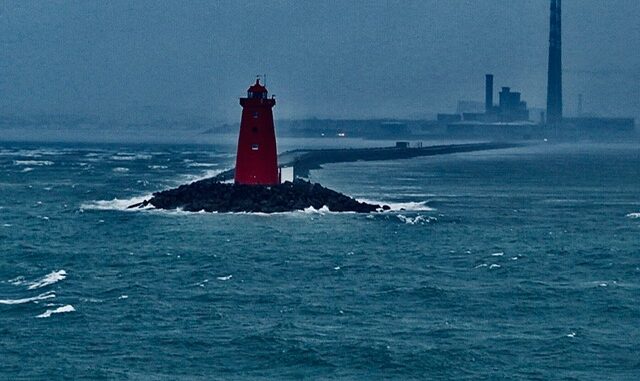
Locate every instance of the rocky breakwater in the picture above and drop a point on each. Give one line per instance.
(212, 196)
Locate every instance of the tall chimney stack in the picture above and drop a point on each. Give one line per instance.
(488, 95)
(554, 84)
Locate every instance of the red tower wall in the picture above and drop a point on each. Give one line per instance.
(257, 158)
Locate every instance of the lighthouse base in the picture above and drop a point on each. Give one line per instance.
(212, 196)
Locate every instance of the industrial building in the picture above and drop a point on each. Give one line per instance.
(512, 108)
(510, 118)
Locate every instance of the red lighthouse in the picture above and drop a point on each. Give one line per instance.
(257, 159)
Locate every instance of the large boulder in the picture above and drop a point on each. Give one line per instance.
(212, 196)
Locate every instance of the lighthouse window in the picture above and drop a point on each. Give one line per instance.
(255, 95)
(255, 115)
(254, 147)
(255, 130)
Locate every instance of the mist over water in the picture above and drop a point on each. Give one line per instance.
(513, 263)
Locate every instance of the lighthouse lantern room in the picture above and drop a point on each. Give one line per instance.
(257, 158)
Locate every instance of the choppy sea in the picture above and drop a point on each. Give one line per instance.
(513, 264)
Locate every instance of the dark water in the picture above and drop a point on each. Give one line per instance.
(513, 264)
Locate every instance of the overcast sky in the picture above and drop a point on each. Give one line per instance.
(344, 59)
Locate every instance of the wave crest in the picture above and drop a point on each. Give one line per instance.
(49, 279)
(412, 206)
(59, 310)
(43, 296)
(116, 203)
(33, 162)
(417, 220)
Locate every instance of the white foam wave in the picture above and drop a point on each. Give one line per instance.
(33, 162)
(17, 281)
(416, 220)
(43, 296)
(120, 169)
(49, 279)
(321, 211)
(207, 174)
(225, 277)
(27, 169)
(634, 215)
(402, 206)
(157, 167)
(116, 203)
(130, 157)
(43, 152)
(202, 165)
(59, 310)
(308, 211)
(122, 205)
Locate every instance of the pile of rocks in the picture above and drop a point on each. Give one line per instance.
(212, 196)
